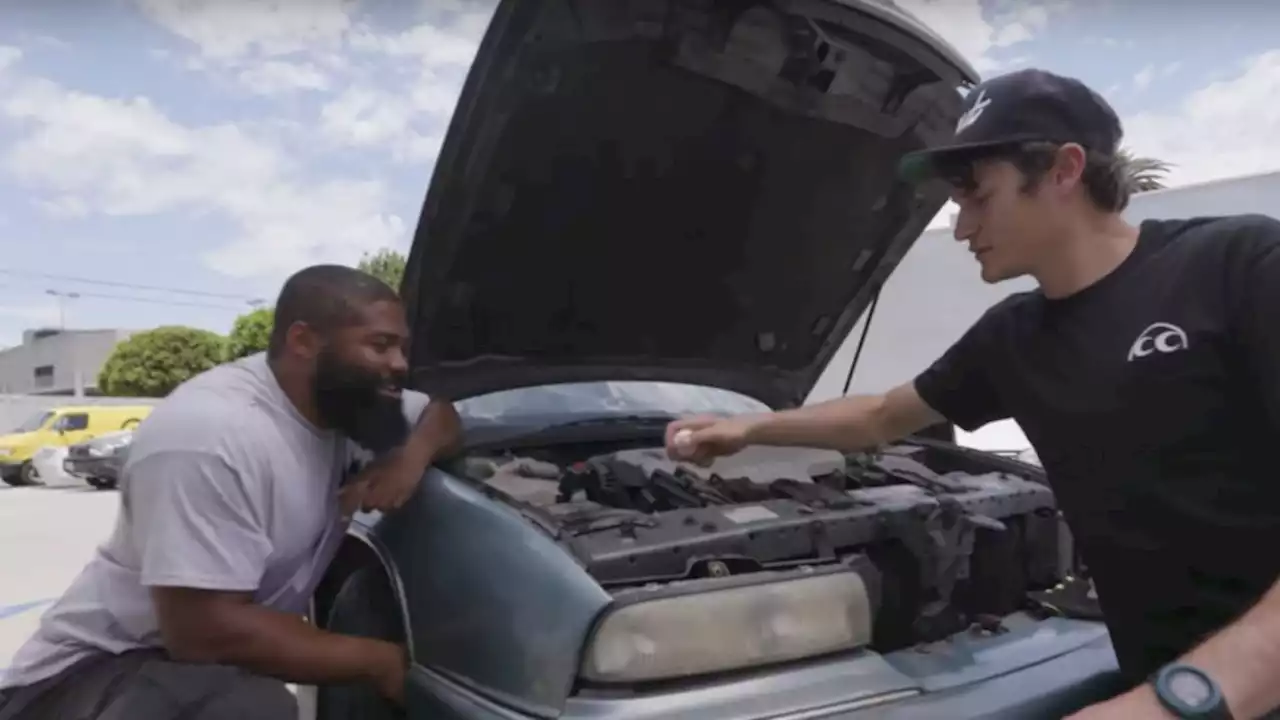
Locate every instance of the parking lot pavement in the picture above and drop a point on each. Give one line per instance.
(46, 536)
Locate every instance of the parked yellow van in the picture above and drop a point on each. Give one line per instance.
(65, 425)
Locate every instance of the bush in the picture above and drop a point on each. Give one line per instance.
(386, 265)
(153, 363)
(250, 334)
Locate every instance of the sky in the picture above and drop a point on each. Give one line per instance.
(172, 161)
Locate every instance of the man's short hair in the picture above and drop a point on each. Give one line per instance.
(1024, 117)
(1107, 178)
(325, 297)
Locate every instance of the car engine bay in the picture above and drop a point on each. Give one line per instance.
(943, 542)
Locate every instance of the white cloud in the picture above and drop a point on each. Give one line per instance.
(450, 38)
(335, 221)
(1020, 25)
(1011, 34)
(9, 56)
(1148, 74)
(391, 92)
(1144, 77)
(408, 124)
(964, 24)
(1224, 129)
(408, 119)
(126, 157)
(274, 77)
(960, 22)
(228, 30)
(68, 206)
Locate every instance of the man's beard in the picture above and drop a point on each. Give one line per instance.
(348, 400)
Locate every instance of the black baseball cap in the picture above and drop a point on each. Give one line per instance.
(1023, 106)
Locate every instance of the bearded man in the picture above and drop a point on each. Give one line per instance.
(234, 500)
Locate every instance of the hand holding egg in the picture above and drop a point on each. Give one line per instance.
(684, 439)
(702, 439)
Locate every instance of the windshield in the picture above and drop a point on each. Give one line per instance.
(35, 422)
(604, 399)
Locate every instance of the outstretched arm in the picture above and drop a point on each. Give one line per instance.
(848, 424)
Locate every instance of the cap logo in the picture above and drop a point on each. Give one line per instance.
(971, 115)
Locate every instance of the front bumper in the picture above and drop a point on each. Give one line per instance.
(10, 469)
(91, 467)
(1047, 671)
(1051, 689)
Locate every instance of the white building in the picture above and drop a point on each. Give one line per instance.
(936, 294)
(57, 362)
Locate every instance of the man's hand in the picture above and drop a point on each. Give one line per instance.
(389, 481)
(438, 431)
(384, 484)
(704, 438)
(389, 675)
(351, 496)
(1139, 703)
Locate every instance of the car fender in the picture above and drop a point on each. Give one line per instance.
(489, 597)
(362, 548)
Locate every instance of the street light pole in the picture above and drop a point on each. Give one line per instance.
(77, 381)
(62, 309)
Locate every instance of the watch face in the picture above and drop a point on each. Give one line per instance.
(1189, 687)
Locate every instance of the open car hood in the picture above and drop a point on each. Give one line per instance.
(681, 190)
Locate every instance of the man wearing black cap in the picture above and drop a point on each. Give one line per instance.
(1145, 370)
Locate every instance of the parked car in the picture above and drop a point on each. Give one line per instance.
(98, 461)
(46, 466)
(647, 210)
(61, 427)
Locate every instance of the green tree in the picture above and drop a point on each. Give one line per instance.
(250, 334)
(154, 362)
(387, 265)
(1145, 174)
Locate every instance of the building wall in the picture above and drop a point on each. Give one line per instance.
(14, 409)
(936, 294)
(49, 361)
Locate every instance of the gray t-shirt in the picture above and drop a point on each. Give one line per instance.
(227, 487)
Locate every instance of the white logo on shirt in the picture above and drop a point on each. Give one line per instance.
(1161, 337)
(971, 115)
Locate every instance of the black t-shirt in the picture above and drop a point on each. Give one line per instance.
(1152, 398)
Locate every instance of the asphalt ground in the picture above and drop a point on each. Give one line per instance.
(47, 534)
(46, 537)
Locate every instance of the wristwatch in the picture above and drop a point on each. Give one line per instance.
(1187, 692)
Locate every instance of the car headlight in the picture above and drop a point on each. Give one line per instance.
(5, 452)
(708, 629)
(112, 447)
